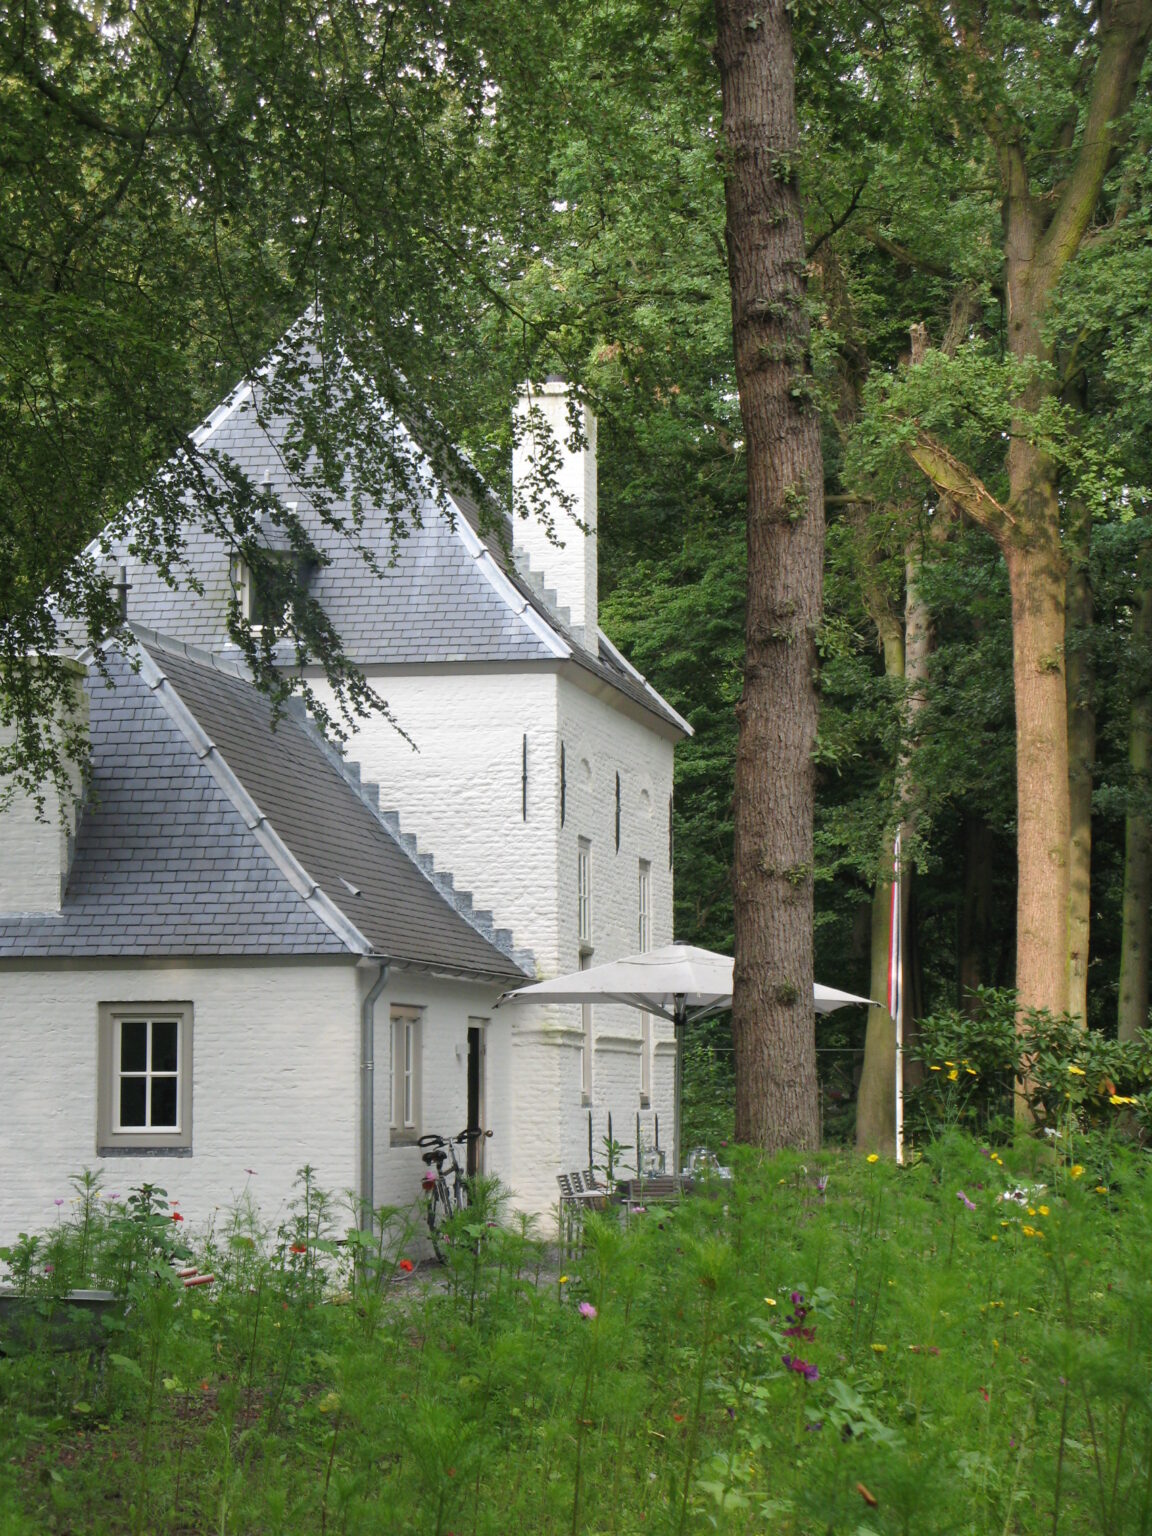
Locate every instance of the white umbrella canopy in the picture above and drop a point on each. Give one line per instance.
(678, 982)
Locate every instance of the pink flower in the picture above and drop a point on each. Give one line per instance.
(586, 1309)
(429, 1178)
(57, 1202)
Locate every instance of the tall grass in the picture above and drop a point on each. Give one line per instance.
(813, 1347)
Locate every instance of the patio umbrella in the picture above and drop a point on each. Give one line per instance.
(679, 982)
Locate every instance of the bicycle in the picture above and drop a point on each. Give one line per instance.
(445, 1201)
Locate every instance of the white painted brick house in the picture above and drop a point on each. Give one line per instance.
(253, 955)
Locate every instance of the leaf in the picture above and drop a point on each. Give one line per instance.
(128, 1366)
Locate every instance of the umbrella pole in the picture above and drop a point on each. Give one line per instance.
(681, 1030)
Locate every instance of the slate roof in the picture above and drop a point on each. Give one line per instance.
(208, 834)
(451, 594)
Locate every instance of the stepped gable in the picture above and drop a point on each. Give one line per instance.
(450, 591)
(210, 833)
(313, 802)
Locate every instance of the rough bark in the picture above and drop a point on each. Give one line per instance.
(1081, 756)
(772, 1020)
(1041, 236)
(1132, 1003)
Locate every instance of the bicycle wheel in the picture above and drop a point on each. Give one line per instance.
(439, 1210)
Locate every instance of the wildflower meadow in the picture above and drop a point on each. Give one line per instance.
(823, 1345)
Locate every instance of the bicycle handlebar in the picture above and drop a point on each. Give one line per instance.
(473, 1133)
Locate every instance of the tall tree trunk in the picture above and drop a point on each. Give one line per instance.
(1042, 233)
(1132, 1009)
(1079, 674)
(773, 1023)
(876, 1094)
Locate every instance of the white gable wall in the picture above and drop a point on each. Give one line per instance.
(461, 794)
(275, 1083)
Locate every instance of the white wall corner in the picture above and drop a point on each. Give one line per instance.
(568, 566)
(36, 851)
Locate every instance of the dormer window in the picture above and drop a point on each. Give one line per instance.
(265, 599)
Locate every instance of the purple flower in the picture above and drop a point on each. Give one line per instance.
(57, 1201)
(960, 1195)
(801, 1367)
(586, 1309)
(816, 1424)
(797, 1298)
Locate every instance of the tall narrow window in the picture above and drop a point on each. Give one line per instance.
(563, 785)
(617, 813)
(644, 942)
(586, 1042)
(406, 1074)
(584, 891)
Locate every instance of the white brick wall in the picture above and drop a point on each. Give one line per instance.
(275, 1084)
(461, 795)
(35, 852)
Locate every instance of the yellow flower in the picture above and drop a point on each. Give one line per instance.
(972, 1072)
(1100, 1189)
(879, 1349)
(1028, 1231)
(873, 1157)
(1043, 1209)
(995, 1343)
(1031, 1210)
(1119, 1098)
(953, 1075)
(563, 1279)
(1076, 1071)
(1076, 1170)
(933, 1069)
(769, 1301)
(949, 1063)
(995, 1237)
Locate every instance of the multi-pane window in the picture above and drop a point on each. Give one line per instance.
(584, 891)
(406, 1072)
(144, 1097)
(148, 1074)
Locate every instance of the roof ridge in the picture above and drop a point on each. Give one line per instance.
(168, 697)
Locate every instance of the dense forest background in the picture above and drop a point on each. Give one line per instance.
(470, 198)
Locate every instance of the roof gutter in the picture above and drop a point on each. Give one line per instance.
(368, 1097)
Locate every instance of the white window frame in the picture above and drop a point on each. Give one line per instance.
(584, 891)
(111, 1135)
(586, 1038)
(644, 943)
(406, 1073)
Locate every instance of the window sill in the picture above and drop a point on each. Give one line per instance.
(403, 1138)
(145, 1149)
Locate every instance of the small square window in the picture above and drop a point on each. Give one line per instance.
(144, 1092)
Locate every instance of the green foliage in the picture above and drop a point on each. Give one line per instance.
(1074, 1079)
(750, 1358)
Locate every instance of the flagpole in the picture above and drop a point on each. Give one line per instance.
(896, 994)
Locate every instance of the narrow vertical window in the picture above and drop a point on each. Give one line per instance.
(563, 785)
(584, 891)
(524, 782)
(586, 1038)
(643, 943)
(407, 1028)
(670, 844)
(617, 813)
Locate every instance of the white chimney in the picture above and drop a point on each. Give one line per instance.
(36, 853)
(569, 565)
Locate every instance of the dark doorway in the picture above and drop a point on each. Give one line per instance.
(476, 1097)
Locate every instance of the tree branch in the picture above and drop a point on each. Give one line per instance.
(955, 480)
(1125, 29)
